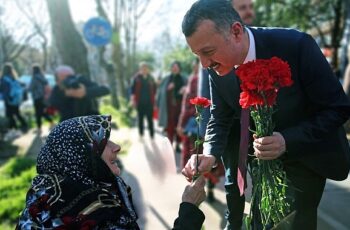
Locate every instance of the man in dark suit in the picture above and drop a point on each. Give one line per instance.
(308, 136)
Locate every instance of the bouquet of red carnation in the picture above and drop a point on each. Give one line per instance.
(260, 81)
(199, 103)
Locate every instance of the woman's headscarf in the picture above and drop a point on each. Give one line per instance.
(74, 188)
(71, 146)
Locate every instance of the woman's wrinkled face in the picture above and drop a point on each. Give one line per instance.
(109, 156)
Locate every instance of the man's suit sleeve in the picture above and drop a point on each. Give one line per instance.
(324, 93)
(220, 122)
(190, 217)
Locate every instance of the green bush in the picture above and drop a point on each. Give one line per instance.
(15, 179)
(123, 117)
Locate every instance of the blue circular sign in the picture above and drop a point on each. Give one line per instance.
(97, 31)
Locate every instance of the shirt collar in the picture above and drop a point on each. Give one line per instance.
(251, 51)
(251, 55)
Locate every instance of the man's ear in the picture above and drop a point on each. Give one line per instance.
(237, 30)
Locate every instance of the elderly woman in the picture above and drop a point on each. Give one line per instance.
(78, 187)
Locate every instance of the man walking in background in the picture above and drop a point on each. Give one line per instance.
(143, 91)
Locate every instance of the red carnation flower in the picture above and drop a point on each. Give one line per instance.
(200, 101)
(261, 79)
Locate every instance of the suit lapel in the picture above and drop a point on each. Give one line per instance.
(228, 87)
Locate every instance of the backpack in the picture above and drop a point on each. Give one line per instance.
(15, 93)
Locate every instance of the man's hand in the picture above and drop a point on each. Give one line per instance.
(194, 193)
(76, 93)
(270, 147)
(206, 163)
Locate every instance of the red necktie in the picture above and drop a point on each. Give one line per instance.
(243, 151)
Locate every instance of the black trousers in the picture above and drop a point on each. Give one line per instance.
(12, 111)
(305, 189)
(235, 207)
(39, 107)
(145, 111)
(235, 202)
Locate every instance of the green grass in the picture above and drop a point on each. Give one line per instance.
(15, 179)
(15, 166)
(6, 225)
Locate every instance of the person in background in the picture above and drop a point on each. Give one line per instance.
(143, 91)
(346, 86)
(12, 91)
(245, 9)
(75, 95)
(308, 138)
(39, 87)
(169, 98)
(78, 186)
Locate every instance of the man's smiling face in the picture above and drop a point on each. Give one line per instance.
(218, 50)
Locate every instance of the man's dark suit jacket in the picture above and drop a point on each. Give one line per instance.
(309, 114)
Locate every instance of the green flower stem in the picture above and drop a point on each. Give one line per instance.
(198, 141)
(268, 176)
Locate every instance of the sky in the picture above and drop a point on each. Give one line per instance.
(160, 15)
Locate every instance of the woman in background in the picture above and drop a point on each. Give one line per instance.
(169, 98)
(12, 92)
(39, 88)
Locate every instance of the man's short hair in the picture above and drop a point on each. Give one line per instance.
(218, 11)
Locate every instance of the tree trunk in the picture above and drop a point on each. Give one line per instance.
(344, 58)
(118, 54)
(337, 32)
(68, 41)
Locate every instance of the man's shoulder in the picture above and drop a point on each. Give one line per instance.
(277, 32)
(279, 38)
